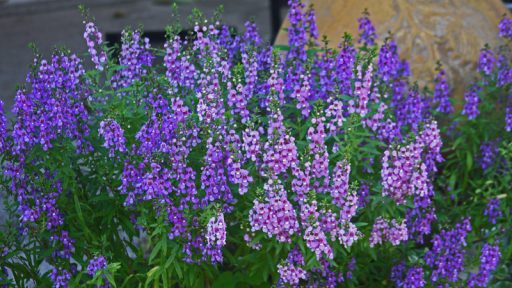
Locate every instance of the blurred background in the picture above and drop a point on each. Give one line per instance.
(56, 23)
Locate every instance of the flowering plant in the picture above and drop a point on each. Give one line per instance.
(223, 161)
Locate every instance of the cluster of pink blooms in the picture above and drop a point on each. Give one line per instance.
(94, 40)
(375, 122)
(280, 150)
(362, 88)
(251, 144)
(291, 274)
(314, 235)
(385, 230)
(237, 174)
(430, 139)
(291, 271)
(276, 216)
(404, 173)
(342, 196)
(215, 237)
(318, 150)
(335, 113)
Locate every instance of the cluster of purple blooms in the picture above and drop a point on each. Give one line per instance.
(320, 162)
(4, 277)
(280, 150)
(302, 200)
(489, 62)
(421, 217)
(413, 278)
(362, 89)
(53, 106)
(489, 259)
(442, 93)
(174, 62)
(486, 62)
(446, 258)
(493, 210)
(96, 264)
(113, 135)
(135, 56)
(505, 28)
(389, 61)
(508, 118)
(37, 205)
(504, 71)
(367, 33)
(488, 153)
(345, 62)
(472, 101)
(291, 271)
(3, 128)
(60, 278)
(341, 195)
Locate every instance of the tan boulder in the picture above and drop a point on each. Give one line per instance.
(451, 31)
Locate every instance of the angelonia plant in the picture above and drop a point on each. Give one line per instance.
(223, 161)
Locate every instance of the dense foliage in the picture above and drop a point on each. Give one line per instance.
(221, 161)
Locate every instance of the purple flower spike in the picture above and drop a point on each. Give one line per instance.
(113, 135)
(505, 28)
(367, 33)
(94, 41)
(493, 210)
(489, 259)
(441, 93)
(486, 62)
(96, 264)
(472, 101)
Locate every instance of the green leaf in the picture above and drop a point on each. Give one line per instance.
(178, 270)
(111, 279)
(225, 280)
(80, 216)
(469, 161)
(172, 257)
(152, 274)
(155, 251)
(125, 282)
(281, 47)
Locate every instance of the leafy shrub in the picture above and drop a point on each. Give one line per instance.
(223, 161)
